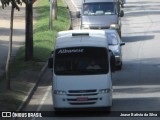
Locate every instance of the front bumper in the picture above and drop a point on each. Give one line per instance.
(65, 102)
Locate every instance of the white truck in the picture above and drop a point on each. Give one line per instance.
(81, 70)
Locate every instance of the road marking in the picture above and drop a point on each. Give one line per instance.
(74, 5)
(152, 91)
(43, 100)
(145, 10)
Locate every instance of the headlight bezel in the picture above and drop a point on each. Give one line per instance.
(104, 91)
(114, 26)
(60, 92)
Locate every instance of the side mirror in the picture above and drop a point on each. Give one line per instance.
(50, 62)
(122, 43)
(78, 14)
(121, 14)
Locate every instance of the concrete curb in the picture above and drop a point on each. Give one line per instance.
(43, 70)
(32, 90)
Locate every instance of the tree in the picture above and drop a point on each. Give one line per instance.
(53, 13)
(10, 48)
(29, 31)
(14, 3)
(55, 10)
(29, 24)
(7, 68)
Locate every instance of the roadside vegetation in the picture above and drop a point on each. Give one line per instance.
(24, 74)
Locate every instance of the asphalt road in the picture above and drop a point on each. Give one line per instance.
(137, 85)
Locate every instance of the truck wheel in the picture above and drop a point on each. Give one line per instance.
(119, 67)
(120, 34)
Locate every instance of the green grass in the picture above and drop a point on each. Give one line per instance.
(10, 100)
(43, 38)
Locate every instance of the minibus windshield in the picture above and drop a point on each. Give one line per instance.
(81, 61)
(102, 8)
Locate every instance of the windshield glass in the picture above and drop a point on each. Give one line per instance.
(81, 61)
(112, 39)
(103, 8)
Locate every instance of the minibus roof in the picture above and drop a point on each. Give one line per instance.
(73, 38)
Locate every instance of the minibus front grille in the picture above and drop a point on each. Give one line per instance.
(81, 97)
(89, 99)
(81, 91)
(83, 103)
(90, 94)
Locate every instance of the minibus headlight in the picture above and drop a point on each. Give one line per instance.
(59, 92)
(102, 91)
(114, 26)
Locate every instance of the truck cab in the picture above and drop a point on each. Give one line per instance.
(101, 14)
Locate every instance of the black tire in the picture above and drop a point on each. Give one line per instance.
(112, 62)
(119, 67)
(58, 111)
(106, 109)
(120, 34)
(109, 109)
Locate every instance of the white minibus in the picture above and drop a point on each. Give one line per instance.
(81, 70)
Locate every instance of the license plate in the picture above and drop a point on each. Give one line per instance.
(82, 99)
